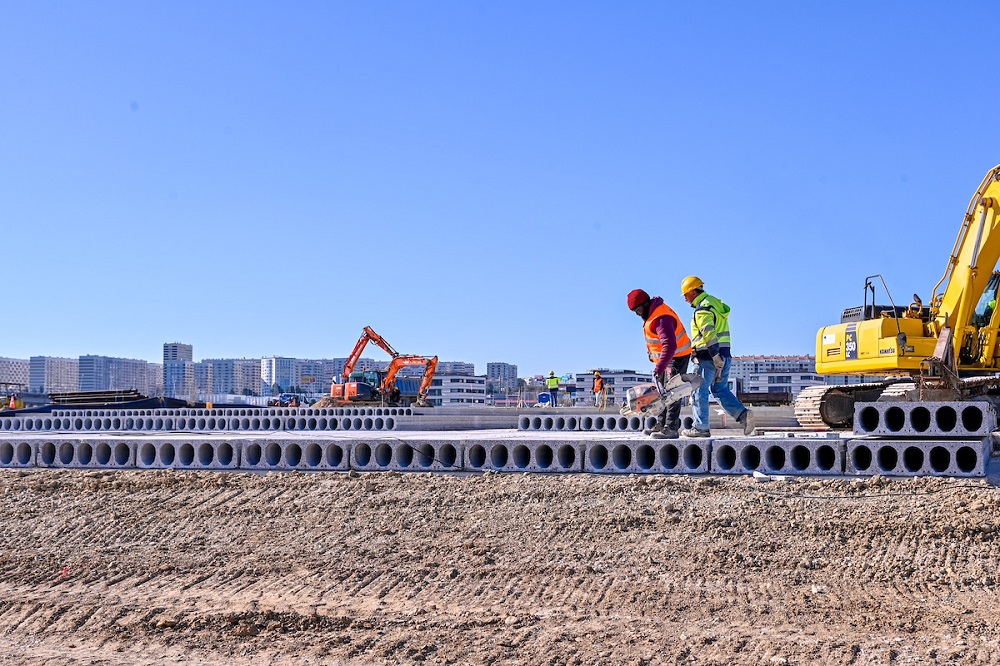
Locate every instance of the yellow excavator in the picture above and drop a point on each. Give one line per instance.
(945, 350)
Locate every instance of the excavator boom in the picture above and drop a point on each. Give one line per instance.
(369, 335)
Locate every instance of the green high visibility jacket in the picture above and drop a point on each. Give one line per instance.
(552, 382)
(710, 323)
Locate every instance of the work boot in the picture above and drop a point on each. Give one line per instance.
(665, 434)
(747, 420)
(695, 432)
(652, 431)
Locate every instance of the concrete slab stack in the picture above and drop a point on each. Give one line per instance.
(406, 456)
(523, 456)
(778, 455)
(308, 454)
(919, 457)
(925, 419)
(14, 453)
(665, 456)
(98, 453)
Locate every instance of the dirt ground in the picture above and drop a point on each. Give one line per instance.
(217, 568)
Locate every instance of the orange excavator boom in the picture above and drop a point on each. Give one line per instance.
(369, 335)
(400, 362)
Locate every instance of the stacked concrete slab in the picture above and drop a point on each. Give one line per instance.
(250, 420)
(921, 439)
(593, 422)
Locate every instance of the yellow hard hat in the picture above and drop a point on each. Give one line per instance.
(690, 283)
(597, 373)
(552, 372)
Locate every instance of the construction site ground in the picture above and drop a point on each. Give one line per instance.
(164, 567)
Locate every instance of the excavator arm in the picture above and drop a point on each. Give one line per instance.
(969, 274)
(400, 362)
(369, 335)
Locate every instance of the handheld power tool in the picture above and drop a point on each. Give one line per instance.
(653, 399)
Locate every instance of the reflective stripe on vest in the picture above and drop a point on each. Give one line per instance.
(653, 344)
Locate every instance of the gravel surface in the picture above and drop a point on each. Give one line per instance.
(168, 567)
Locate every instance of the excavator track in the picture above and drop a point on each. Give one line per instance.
(832, 407)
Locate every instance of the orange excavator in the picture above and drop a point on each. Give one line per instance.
(375, 386)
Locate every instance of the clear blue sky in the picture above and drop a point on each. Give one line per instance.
(478, 180)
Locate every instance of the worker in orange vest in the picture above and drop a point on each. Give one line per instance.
(669, 347)
(598, 388)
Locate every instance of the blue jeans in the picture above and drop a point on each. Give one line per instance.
(699, 399)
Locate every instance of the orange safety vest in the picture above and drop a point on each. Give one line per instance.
(598, 384)
(653, 344)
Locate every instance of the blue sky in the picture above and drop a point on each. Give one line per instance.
(481, 181)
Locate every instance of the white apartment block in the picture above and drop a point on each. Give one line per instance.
(456, 368)
(277, 374)
(106, 373)
(154, 379)
(177, 351)
(502, 375)
(15, 371)
(179, 380)
(204, 377)
(619, 380)
(50, 374)
(234, 376)
(775, 374)
(457, 391)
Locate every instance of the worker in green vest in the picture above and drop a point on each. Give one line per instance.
(552, 383)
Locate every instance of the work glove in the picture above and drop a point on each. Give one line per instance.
(720, 363)
(659, 380)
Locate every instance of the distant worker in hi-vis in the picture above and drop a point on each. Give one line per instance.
(552, 383)
(598, 388)
(713, 357)
(669, 347)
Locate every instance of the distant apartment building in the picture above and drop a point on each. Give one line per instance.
(443, 368)
(456, 368)
(15, 371)
(457, 391)
(775, 374)
(154, 379)
(234, 376)
(502, 375)
(177, 351)
(204, 377)
(106, 373)
(618, 380)
(277, 374)
(50, 374)
(179, 379)
(316, 375)
(179, 371)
